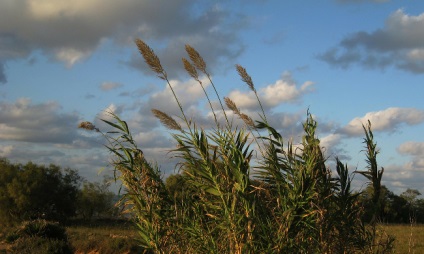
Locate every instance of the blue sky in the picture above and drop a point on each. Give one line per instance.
(347, 61)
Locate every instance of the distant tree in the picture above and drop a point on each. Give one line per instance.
(95, 200)
(410, 196)
(367, 202)
(34, 191)
(8, 172)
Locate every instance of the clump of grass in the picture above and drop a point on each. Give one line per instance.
(285, 200)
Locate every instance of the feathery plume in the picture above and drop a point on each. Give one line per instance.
(247, 120)
(88, 126)
(245, 77)
(166, 120)
(190, 69)
(195, 57)
(151, 58)
(231, 105)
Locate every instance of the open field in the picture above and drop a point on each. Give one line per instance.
(409, 239)
(119, 238)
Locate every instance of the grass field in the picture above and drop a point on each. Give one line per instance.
(409, 239)
(106, 239)
(120, 238)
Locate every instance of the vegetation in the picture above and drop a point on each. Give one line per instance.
(241, 188)
(33, 191)
(95, 200)
(244, 189)
(106, 237)
(39, 236)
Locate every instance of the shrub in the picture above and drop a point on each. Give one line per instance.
(41, 245)
(246, 190)
(43, 228)
(39, 236)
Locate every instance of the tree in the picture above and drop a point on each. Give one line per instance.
(34, 191)
(410, 196)
(8, 172)
(95, 200)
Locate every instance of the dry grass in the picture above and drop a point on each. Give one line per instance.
(119, 239)
(86, 238)
(409, 239)
(103, 239)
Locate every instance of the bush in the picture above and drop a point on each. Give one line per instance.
(39, 236)
(43, 228)
(41, 245)
(32, 191)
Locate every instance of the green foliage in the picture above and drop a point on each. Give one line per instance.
(95, 200)
(33, 191)
(403, 208)
(242, 189)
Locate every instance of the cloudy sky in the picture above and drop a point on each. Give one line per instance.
(347, 61)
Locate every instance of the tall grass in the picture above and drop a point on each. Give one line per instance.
(284, 200)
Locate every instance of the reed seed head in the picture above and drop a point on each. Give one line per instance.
(195, 57)
(247, 120)
(231, 105)
(166, 120)
(190, 69)
(88, 126)
(151, 58)
(245, 77)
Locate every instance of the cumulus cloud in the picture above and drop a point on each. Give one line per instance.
(24, 121)
(188, 92)
(409, 175)
(70, 31)
(400, 43)
(412, 148)
(284, 90)
(387, 120)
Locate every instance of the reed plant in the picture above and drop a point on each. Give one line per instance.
(246, 188)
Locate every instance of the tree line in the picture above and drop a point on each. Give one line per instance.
(30, 191)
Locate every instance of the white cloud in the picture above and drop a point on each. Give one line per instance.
(70, 56)
(6, 150)
(284, 90)
(330, 141)
(412, 148)
(416, 150)
(385, 120)
(188, 92)
(46, 9)
(154, 139)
